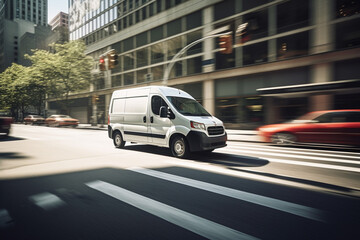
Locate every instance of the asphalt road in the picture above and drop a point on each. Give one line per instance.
(64, 183)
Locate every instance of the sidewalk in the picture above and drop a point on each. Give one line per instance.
(233, 135)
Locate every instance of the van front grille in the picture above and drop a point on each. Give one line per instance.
(218, 130)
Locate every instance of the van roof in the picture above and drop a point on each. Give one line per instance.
(166, 91)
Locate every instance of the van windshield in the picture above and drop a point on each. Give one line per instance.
(188, 107)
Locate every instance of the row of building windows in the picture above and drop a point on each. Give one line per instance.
(142, 57)
(122, 12)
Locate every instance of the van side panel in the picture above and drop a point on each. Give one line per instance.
(135, 115)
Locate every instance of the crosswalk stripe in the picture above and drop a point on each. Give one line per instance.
(193, 223)
(292, 208)
(47, 201)
(292, 156)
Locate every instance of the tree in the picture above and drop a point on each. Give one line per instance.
(64, 71)
(14, 90)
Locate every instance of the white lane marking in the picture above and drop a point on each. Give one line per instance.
(193, 223)
(292, 148)
(47, 201)
(297, 152)
(292, 208)
(5, 219)
(308, 164)
(291, 156)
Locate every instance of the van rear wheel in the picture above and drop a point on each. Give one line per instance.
(179, 147)
(118, 140)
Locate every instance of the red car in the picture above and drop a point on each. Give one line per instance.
(325, 127)
(5, 125)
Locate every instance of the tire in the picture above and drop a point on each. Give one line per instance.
(283, 139)
(179, 147)
(118, 140)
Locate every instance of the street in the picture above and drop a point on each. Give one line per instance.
(68, 183)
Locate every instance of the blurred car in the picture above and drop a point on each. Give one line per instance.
(61, 120)
(34, 119)
(5, 125)
(325, 127)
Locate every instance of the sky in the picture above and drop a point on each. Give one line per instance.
(56, 6)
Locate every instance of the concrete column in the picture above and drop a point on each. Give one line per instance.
(209, 96)
(322, 40)
(321, 73)
(107, 105)
(208, 44)
(272, 31)
(322, 37)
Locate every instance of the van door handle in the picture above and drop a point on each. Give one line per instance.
(151, 119)
(144, 119)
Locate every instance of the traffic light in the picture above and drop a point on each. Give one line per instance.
(102, 64)
(113, 59)
(225, 44)
(243, 33)
(95, 99)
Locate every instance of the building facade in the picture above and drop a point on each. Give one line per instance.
(17, 18)
(60, 20)
(282, 66)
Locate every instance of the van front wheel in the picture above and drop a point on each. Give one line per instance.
(179, 147)
(118, 140)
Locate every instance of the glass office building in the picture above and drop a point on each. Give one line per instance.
(285, 66)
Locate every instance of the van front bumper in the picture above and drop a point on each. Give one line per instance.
(199, 141)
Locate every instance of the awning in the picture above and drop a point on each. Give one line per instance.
(323, 88)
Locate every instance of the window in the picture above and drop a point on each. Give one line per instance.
(141, 39)
(193, 20)
(174, 27)
(257, 25)
(345, 8)
(129, 78)
(156, 103)
(156, 34)
(255, 53)
(116, 81)
(292, 15)
(191, 37)
(141, 76)
(194, 65)
(157, 53)
(346, 35)
(142, 57)
(293, 45)
(174, 46)
(129, 61)
(224, 9)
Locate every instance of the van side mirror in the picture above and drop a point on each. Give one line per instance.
(163, 112)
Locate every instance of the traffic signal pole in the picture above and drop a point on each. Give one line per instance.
(182, 51)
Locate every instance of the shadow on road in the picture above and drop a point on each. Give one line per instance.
(11, 156)
(4, 138)
(223, 159)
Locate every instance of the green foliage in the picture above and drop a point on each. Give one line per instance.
(56, 73)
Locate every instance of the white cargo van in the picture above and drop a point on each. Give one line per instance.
(166, 117)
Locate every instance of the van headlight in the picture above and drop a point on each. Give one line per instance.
(197, 125)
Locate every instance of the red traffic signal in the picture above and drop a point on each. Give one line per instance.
(102, 64)
(113, 59)
(225, 44)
